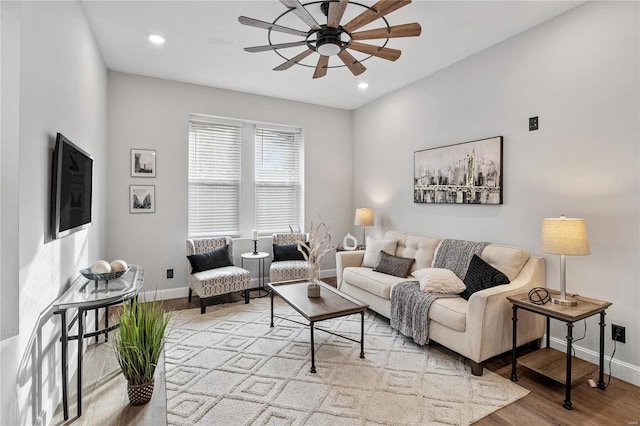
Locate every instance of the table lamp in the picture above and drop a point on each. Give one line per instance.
(364, 218)
(564, 236)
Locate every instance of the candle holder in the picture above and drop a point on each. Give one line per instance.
(255, 247)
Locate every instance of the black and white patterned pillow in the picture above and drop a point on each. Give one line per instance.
(481, 275)
(393, 265)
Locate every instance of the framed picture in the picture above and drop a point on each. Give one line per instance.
(465, 173)
(142, 199)
(143, 163)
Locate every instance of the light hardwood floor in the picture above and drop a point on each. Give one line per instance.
(106, 403)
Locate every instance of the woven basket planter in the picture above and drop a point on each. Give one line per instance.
(140, 394)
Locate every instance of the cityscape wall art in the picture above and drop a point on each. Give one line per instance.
(464, 173)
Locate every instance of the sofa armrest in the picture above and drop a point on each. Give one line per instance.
(489, 325)
(345, 259)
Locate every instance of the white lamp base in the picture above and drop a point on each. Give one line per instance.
(567, 301)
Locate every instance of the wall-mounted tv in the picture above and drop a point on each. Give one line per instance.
(71, 188)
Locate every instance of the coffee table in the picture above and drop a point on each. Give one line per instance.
(332, 303)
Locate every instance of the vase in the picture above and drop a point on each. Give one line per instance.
(313, 289)
(140, 394)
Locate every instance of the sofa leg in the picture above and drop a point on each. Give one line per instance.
(190, 295)
(536, 344)
(246, 296)
(203, 307)
(476, 368)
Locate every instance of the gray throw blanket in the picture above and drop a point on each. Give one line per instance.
(410, 310)
(456, 255)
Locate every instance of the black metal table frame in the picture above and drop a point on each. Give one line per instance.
(65, 338)
(567, 401)
(311, 328)
(261, 277)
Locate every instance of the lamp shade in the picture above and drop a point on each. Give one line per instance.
(364, 217)
(565, 236)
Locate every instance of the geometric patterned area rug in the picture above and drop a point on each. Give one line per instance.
(228, 367)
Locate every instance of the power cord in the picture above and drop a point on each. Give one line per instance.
(615, 345)
(573, 349)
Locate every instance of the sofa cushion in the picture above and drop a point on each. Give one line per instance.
(450, 312)
(374, 247)
(287, 252)
(393, 265)
(216, 258)
(509, 260)
(439, 280)
(481, 275)
(374, 282)
(421, 248)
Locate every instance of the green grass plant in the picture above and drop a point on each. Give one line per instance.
(139, 341)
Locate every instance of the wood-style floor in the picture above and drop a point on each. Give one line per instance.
(106, 402)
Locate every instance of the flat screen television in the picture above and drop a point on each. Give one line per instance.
(71, 188)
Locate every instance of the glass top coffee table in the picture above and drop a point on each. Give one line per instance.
(332, 303)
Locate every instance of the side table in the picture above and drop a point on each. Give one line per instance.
(549, 362)
(260, 257)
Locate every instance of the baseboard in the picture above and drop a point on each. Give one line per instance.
(620, 369)
(177, 292)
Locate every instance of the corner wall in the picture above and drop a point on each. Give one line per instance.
(579, 74)
(152, 113)
(63, 84)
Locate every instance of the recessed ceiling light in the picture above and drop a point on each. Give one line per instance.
(156, 38)
(363, 85)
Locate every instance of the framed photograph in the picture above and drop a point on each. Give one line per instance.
(143, 163)
(142, 199)
(465, 173)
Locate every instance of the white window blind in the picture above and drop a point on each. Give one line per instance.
(214, 178)
(278, 179)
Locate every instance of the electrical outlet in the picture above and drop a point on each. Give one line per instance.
(533, 123)
(169, 273)
(618, 333)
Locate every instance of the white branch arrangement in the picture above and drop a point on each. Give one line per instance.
(319, 244)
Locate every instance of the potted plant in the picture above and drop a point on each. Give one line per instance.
(319, 244)
(138, 345)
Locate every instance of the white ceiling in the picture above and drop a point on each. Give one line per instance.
(205, 44)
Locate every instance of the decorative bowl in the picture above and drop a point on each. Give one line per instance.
(86, 272)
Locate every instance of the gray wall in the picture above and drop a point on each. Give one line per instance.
(579, 74)
(63, 85)
(152, 113)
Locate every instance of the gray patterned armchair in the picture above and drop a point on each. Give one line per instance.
(288, 270)
(213, 282)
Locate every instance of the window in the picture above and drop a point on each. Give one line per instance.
(277, 177)
(243, 176)
(214, 178)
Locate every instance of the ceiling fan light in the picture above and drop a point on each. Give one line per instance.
(328, 47)
(156, 38)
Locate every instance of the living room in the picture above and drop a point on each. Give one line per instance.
(578, 72)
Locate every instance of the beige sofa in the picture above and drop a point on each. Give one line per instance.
(479, 328)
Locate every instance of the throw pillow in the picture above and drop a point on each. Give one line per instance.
(287, 252)
(439, 280)
(374, 247)
(393, 265)
(213, 259)
(481, 275)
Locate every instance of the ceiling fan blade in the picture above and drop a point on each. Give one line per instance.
(336, 10)
(404, 30)
(321, 67)
(291, 62)
(380, 52)
(274, 46)
(302, 13)
(269, 26)
(378, 10)
(354, 66)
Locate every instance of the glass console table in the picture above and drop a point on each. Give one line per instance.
(86, 295)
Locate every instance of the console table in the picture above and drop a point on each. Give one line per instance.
(85, 295)
(550, 362)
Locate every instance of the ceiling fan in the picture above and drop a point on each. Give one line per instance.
(332, 38)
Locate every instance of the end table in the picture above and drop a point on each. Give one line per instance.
(547, 361)
(260, 257)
